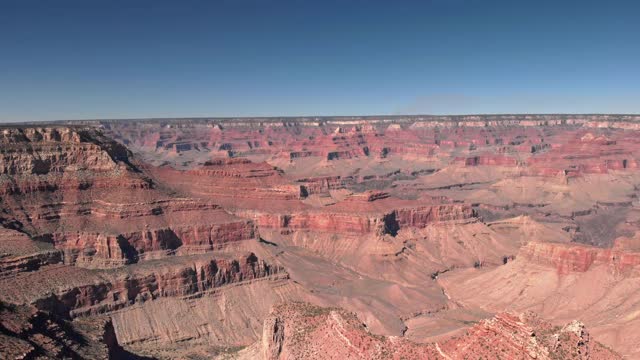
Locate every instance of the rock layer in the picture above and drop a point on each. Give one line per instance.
(81, 192)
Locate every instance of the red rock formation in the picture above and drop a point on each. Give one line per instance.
(320, 185)
(189, 276)
(226, 181)
(506, 140)
(568, 258)
(526, 336)
(97, 292)
(373, 214)
(324, 221)
(421, 216)
(488, 160)
(586, 154)
(296, 331)
(81, 192)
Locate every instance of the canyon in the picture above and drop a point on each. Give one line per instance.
(386, 237)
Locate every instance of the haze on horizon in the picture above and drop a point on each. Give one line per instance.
(74, 59)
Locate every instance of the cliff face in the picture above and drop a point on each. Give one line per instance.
(81, 192)
(488, 160)
(99, 250)
(422, 216)
(567, 258)
(299, 330)
(337, 223)
(65, 293)
(41, 151)
(350, 217)
(296, 331)
(321, 185)
(186, 277)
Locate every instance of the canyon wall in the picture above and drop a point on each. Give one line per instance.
(414, 235)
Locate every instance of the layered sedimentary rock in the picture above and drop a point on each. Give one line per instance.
(363, 217)
(321, 185)
(93, 292)
(587, 153)
(81, 192)
(232, 181)
(488, 160)
(579, 258)
(424, 227)
(333, 139)
(262, 194)
(18, 253)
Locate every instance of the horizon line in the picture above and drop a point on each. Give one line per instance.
(295, 117)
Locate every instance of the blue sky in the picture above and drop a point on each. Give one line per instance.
(122, 59)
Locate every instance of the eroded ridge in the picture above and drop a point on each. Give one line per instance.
(303, 331)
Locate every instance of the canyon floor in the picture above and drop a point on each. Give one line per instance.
(401, 237)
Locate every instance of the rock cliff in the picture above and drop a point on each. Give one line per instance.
(82, 192)
(568, 258)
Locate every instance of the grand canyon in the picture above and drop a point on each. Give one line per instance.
(373, 237)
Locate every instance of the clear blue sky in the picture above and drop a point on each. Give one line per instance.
(112, 59)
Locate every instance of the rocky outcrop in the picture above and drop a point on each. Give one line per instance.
(10, 266)
(586, 153)
(298, 330)
(235, 168)
(368, 196)
(526, 336)
(321, 185)
(41, 151)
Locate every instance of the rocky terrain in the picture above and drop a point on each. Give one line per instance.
(302, 331)
(406, 237)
